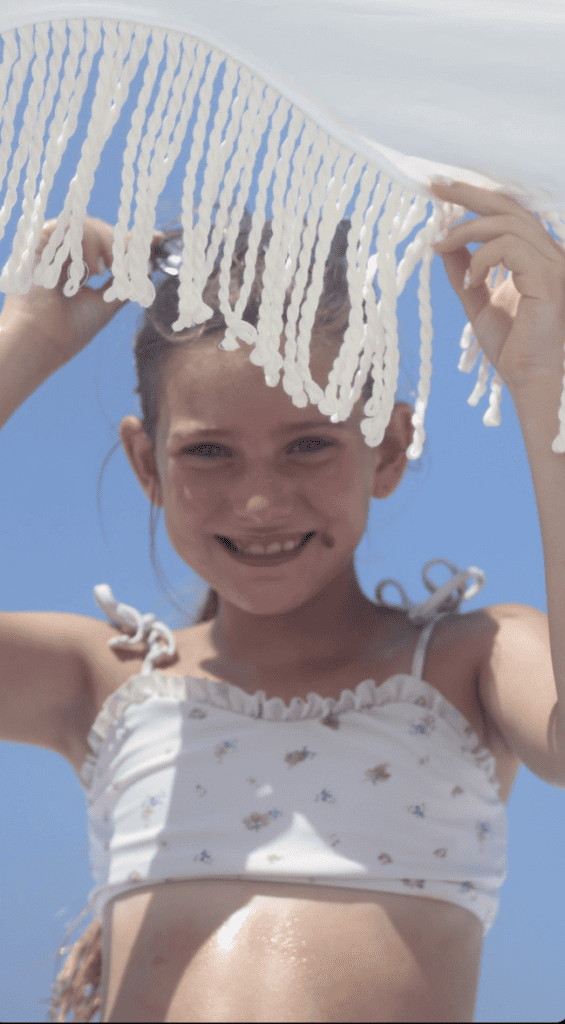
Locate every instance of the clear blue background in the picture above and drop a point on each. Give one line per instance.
(472, 502)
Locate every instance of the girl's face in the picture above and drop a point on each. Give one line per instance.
(273, 467)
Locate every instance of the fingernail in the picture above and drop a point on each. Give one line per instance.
(440, 179)
(467, 280)
(101, 266)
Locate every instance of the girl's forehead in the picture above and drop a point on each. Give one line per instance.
(235, 399)
(204, 376)
(206, 354)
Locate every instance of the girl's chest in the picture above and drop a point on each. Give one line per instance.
(451, 667)
(228, 949)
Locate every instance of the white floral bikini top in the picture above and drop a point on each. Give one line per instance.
(386, 788)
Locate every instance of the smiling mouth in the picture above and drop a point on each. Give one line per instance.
(279, 556)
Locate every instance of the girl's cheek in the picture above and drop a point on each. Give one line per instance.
(340, 502)
(189, 514)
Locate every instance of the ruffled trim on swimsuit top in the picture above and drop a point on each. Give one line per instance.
(227, 696)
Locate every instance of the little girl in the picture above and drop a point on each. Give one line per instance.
(300, 814)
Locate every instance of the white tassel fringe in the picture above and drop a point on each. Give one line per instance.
(312, 177)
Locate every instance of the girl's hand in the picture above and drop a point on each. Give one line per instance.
(67, 325)
(520, 325)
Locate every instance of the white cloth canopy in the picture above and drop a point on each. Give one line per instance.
(375, 95)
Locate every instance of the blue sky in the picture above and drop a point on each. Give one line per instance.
(472, 503)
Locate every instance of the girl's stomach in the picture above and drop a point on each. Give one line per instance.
(227, 950)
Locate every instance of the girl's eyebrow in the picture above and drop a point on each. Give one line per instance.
(217, 431)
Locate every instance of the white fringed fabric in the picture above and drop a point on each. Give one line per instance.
(312, 176)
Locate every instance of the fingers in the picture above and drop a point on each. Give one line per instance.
(97, 247)
(485, 229)
(528, 271)
(509, 236)
(472, 299)
(497, 207)
(479, 200)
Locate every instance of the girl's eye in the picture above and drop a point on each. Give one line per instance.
(201, 450)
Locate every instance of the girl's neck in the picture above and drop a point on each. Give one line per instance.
(329, 627)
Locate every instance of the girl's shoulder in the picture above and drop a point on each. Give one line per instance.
(45, 692)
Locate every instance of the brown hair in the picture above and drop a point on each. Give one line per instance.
(78, 984)
(154, 342)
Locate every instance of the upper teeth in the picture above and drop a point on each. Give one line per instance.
(272, 549)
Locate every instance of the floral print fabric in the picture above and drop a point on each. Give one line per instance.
(387, 788)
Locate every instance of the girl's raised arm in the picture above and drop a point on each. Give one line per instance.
(42, 330)
(44, 664)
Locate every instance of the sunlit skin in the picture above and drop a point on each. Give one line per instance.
(308, 610)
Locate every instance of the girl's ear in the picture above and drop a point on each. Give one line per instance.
(392, 451)
(400, 429)
(138, 448)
